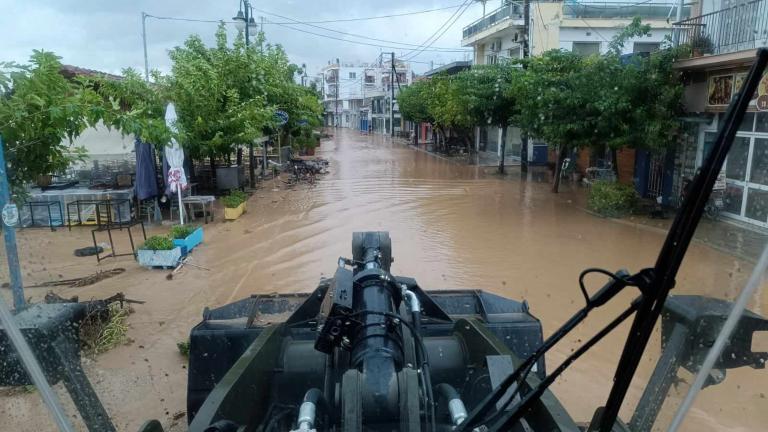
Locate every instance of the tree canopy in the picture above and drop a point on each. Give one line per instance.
(228, 94)
(40, 111)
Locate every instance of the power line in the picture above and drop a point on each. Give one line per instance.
(312, 22)
(445, 27)
(167, 18)
(380, 16)
(439, 28)
(356, 42)
(295, 21)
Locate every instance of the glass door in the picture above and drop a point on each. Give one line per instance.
(756, 203)
(746, 172)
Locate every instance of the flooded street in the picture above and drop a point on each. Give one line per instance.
(452, 226)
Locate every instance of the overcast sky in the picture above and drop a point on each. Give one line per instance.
(106, 34)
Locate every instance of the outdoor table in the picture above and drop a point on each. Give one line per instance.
(71, 194)
(45, 205)
(109, 204)
(204, 201)
(108, 228)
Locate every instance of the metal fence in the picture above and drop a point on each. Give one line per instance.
(511, 10)
(651, 9)
(737, 28)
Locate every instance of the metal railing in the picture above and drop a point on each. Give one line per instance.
(509, 11)
(737, 28)
(652, 9)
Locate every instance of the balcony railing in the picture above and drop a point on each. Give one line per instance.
(651, 9)
(506, 12)
(737, 28)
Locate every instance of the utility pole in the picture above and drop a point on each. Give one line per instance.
(526, 54)
(10, 219)
(336, 103)
(144, 40)
(261, 42)
(251, 155)
(392, 96)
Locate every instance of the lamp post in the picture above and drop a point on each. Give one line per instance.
(244, 22)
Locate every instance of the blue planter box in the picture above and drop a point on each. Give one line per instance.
(189, 243)
(159, 258)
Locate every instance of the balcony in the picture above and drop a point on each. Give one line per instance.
(738, 28)
(512, 11)
(648, 10)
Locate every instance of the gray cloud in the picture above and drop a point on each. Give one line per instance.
(106, 35)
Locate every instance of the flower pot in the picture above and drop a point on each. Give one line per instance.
(234, 213)
(159, 258)
(189, 242)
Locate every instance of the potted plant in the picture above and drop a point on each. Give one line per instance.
(234, 206)
(159, 251)
(701, 44)
(242, 196)
(187, 237)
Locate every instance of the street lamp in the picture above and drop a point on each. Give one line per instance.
(244, 21)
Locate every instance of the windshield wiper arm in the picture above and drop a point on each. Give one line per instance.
(618, 282)
(509, 418)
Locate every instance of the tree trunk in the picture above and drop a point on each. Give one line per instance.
(524, 154)
(251, 167)
(416, 134)
(615, 162)
(213, 165)
(239, 156)
(503, 145)
(559, 167)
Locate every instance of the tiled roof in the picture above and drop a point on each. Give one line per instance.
(70, 71)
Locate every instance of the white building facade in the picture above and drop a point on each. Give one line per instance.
(349, 92)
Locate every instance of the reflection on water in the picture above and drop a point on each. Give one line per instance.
(452, 226)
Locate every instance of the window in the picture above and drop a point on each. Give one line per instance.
(491, 59)
(645, 47)
(352, 75)
(586, 48)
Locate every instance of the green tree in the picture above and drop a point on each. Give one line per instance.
(220, 95)
(601, 102)
(412, 101)
(556, 103)
(41, 112)
(228, 95)
(490, 97)
(447, 104)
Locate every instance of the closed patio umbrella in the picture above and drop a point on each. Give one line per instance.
(177, 180)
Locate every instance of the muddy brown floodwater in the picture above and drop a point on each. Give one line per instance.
(452, 226)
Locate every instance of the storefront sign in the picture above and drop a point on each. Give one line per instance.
(762, 94)
(722, 88)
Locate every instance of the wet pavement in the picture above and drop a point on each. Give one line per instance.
(452, 226)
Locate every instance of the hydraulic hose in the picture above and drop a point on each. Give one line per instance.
(455, 406)
(308, 410)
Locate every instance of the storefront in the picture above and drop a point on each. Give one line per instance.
(746, 168)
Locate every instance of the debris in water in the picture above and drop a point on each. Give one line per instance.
(82, 281)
